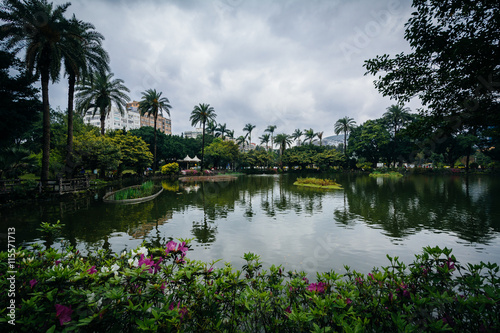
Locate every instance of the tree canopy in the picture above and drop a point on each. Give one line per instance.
(452, 67)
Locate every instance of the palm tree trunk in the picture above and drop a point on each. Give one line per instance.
(69, 142)
(154, 140)
(46, 126)
(103, 119)
(345, 141)
(203, 147)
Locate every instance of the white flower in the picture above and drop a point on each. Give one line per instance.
(124, 253)
(115, 268)
(133, 262)
(104, 269)
(142, 250)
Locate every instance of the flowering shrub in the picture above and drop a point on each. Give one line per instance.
(170, 168)
(160, 289)
(190, 172)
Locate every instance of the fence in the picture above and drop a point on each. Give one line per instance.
(60, 185)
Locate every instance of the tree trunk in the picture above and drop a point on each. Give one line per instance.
(70, 164)
(103, 119)
(203, 148)
(154, 140)
(46, 126)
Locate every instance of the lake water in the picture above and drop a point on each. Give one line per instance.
(300, 228)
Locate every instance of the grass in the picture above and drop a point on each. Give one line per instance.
(145, 190)
(391, 174)
(318, 183)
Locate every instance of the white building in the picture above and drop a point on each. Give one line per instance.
(114, 120)
(193, 134)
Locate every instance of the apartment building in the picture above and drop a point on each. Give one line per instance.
(115, 120)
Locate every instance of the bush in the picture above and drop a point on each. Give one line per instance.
(170, 169)
(159, 289)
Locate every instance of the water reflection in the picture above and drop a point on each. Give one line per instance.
(285, 223)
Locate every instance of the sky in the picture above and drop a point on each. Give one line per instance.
(289, 63)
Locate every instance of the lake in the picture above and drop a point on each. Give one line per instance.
(301, 228)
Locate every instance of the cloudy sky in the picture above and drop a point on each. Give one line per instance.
(289, 63)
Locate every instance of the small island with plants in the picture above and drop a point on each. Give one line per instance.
(390, 174)
(318, 183)
(134, 194)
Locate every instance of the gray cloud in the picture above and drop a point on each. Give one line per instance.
(295, 64)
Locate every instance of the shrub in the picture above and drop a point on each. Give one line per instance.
(159, 289)
(170, 169)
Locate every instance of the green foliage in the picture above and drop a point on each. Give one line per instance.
(170, 169)
(390, 174)
(159, 289)
(134, 151)
(19, 104)
(220, 153)
(369, 141)
(144, 190)
(96, 151)
(257, 158)
(317, 183)
(306, 155)
(451, 68)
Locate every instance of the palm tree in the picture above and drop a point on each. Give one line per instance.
(271, 129)
(39, 29)
(153, 104)
(320, 137)
(344, 125)
(309, 135)
(296, 135)
(99, 93)
(85, 56)
(249, 128)
(241, 141)
(397, 116)
(221, 131)
(211, 127)
(283, 140)
(230, 134)
(265, 139)
(202, 114)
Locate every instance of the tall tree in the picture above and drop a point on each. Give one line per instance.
(249, 128)
(452, 66)
(264, 139)
(344, 125)
(309, 134)
(39, 29)
(20, 104)
(211, 127)
(320, 137)
(201, 114)
(85, 55)
(283, 140)
(396, 117)
(271, 129)
(221, 131)
(100, 93)
(297, 134)
(153, 104)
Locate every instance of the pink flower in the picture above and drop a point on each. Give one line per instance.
(170, 247)
(92, 270)
(317, 287)
(348, 301)
(63, 313)
(288, 310)
(33, 283)
(149, 262)
(183, 248)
